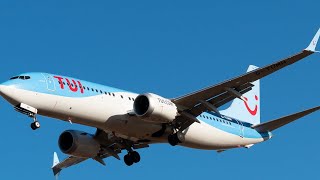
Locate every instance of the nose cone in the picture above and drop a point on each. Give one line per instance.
(4, 90)
(8, 93)
(1, 87)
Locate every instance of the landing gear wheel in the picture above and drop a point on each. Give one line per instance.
(128, 160)
(135, 156)
(173, 139)
(35, 125)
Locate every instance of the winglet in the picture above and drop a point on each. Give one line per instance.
(313, 44)
(56, 161)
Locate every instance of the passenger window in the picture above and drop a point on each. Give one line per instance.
(101, 92)
(92, 89)
(121, 96)
(129, 98)
(113, 94)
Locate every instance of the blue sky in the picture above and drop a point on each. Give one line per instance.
(168, 48)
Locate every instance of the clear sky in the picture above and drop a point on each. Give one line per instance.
(168, 48)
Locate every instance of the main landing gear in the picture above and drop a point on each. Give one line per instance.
(131, 157)
(35, 125)
(173, 139)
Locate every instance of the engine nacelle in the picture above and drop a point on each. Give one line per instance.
(78, 143)
(154, 108)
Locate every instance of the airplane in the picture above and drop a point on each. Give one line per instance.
(127, 121)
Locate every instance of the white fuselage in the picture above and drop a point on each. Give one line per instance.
(112, 114)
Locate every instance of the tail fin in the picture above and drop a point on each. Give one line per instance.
(249, 110)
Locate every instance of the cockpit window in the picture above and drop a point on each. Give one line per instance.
(20, 77)
(24, 77)
(15, 77)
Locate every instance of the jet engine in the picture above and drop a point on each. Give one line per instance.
(154, 108)
(78, 143)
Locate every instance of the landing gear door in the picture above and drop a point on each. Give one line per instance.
(50, 82)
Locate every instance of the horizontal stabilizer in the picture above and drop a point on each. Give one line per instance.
(277, 123)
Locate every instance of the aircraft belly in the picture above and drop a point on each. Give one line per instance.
(131, 126)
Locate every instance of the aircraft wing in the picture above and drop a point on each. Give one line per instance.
(70, 161)
(217, 95)
(109, 148)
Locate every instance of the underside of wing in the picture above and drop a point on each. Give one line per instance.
(70, 161)
(110, 146)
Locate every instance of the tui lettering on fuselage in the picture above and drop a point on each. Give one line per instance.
(74, 86)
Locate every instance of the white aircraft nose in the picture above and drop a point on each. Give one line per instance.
(3, 90)
(8, 93)
(1, 86)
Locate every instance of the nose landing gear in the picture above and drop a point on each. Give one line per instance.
(29, 111)
(35, 125)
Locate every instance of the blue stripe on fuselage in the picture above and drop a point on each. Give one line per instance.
(38, 83)
(231, 125)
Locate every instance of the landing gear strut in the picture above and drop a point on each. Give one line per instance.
(131, 157)
(35, 125)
